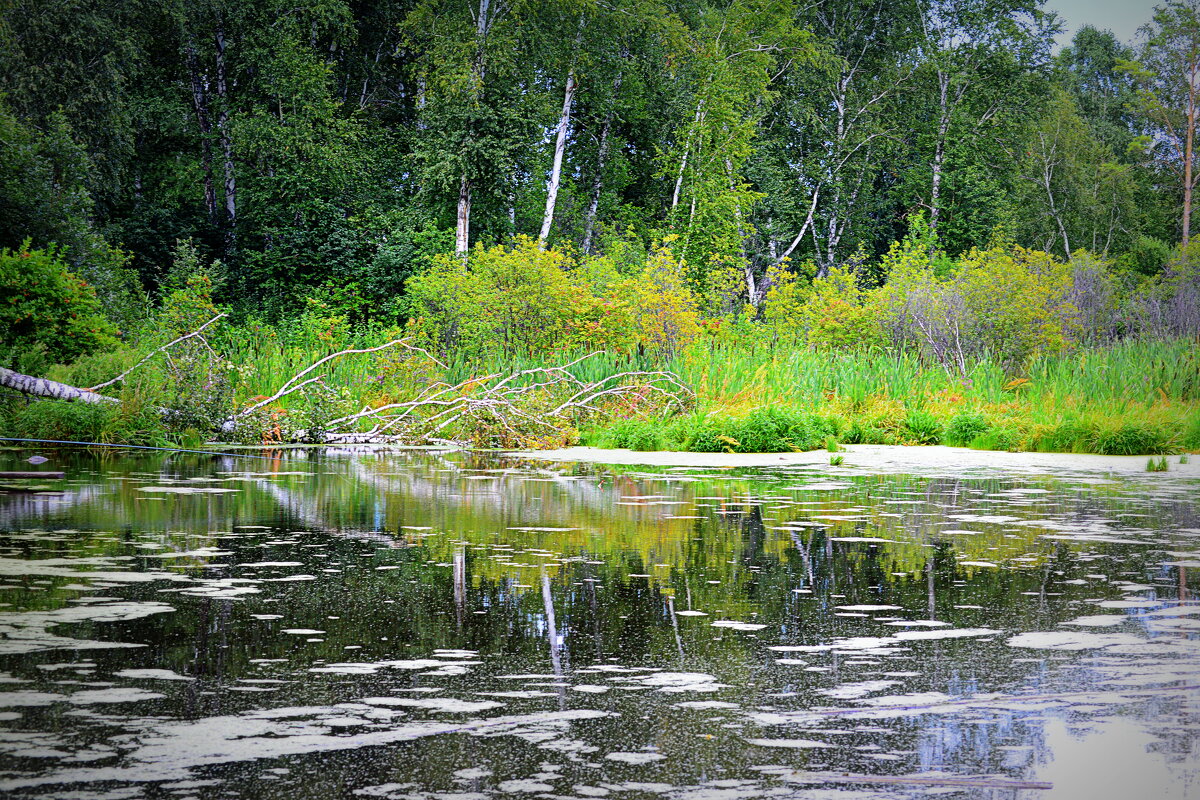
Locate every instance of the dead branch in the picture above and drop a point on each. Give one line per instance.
(155, 352)
(520, 410)
(291, 385)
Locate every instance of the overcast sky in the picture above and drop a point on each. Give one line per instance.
(1122, 17)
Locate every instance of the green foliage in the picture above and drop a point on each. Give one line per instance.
(1005, 301)
(1131, 439)
(1156, 466)
(524, 300)
(61, 421)
(136, 419)
(763, 430)
(47, 313)
(964, 427)
(923, 427)
(1147, 255)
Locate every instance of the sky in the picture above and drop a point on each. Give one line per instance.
(1122, 17)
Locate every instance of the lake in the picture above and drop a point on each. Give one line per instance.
(313, 623)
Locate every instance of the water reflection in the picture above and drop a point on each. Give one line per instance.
(456, 625)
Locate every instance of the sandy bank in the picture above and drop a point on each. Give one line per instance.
(882, 458)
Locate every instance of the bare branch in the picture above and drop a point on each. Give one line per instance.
(153, 353)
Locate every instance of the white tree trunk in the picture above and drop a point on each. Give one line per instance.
(560, 145)
(43, 387)
(589, 225)
(462, 230)
(226, 147)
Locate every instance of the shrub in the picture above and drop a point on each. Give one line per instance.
(763, 430)
(837, 316)
(46, 310)
(964, 427)
(665, 313)
(633, 434)
(1130, 439)
(923, 428)
(524, 301)
(508, 300)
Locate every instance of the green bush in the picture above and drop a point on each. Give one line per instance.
(1130, 439)
(923, 428)
(47, 313)
(764, 430)
(643, 435)
(964, 427)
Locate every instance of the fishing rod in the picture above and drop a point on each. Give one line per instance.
(136, 447)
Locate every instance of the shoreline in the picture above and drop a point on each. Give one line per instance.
(858, 458)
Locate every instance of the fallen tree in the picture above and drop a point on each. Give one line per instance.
(48, 389)
(527, 408)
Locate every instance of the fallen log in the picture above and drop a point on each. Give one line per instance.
(34, 475)
(53, 390)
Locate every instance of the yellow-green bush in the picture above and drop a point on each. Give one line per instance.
(524, 300)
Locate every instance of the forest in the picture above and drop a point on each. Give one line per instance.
(744, 225)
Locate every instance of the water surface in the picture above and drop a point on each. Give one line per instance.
(452, 625)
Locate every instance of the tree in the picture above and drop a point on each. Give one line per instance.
(978, 56)
(1167, 73)
(1077, 194)
(734, 56)
(827, 140)
(472, 123)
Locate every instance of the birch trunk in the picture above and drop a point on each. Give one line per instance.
(939, 148)
(687, 144)
(560, 145)
(44, 387)
(1188, 150)
(589, 225)
(462, 230)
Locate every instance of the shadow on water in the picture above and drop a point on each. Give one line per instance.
(456, 625)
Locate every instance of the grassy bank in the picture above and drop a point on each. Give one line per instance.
(1128, 398)
(1133, 397)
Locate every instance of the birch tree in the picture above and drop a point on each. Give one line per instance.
(472, 123)
(971, 52)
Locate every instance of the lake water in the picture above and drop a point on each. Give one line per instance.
(453, 625)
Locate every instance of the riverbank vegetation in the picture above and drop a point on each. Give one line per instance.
(745, 226)
(819, 365)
